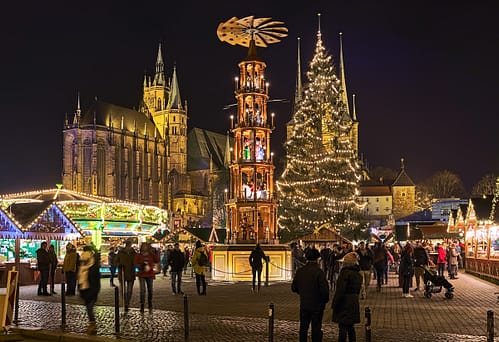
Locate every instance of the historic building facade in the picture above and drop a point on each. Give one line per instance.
(139, 156)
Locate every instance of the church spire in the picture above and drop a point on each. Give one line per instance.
(344, 95)
(227, 155)
(77, 116)
(299, 86)
(174, 101)
(354, 111)
(159, 76)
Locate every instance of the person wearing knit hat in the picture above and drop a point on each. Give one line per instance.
(345, 304)
(311, 284)
(351, 258)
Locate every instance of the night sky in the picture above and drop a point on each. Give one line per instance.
(425, 75)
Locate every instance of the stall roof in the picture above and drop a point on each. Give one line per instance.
(8, 227)
(64, 214)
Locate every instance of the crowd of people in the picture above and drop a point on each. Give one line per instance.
(127, 263)
(348, 270)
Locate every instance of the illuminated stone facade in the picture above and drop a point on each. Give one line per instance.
(140, 156)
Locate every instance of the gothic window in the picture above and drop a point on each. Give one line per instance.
(159, 104)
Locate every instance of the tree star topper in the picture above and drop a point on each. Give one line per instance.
(263, 31)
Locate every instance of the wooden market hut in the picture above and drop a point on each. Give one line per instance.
(481, 223)
(320, 236)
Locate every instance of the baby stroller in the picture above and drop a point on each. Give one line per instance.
(434, 283)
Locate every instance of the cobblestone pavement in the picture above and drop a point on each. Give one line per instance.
(231, 312)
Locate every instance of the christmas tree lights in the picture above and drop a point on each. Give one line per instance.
(320, 183)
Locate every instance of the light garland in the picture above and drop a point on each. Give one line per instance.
(320, 183)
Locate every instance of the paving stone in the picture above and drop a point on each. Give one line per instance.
(231, 310)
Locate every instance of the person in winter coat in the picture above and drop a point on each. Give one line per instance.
(421, 259)
(112, 265)
(53, 267)
(199, 270)
(345, 305)
(441, 259)
(365, 264)
(453, 261)
(70, 268)
(146, 261)
(126, 271)
(177, 261)
(406, 269)
(311, 284)
(89, 283)
(380, 262)
(256, 262)
(43, 265)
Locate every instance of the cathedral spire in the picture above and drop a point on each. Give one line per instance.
(159, 76)
(344, 95)
(299, 86)
(174, 101)
(77, 116)
(354, 111)
(227, 156)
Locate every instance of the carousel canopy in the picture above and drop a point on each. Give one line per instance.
(57, 214)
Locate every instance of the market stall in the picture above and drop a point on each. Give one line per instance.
(482, 238)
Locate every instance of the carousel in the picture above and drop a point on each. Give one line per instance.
(61, 216)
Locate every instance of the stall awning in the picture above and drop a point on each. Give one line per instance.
(8, 227)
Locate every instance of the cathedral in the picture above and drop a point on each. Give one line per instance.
(142, 156)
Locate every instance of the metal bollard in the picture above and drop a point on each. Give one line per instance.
(267, 272)
(63, 305)
(186, 319)
(116, 310)
(490, 326)
(368, 324)
(271, 322)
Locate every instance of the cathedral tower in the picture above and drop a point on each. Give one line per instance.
(162, 102)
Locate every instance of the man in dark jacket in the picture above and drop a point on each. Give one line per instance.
(421, 259)
(325, 252)
(256, 261)
(43, 261)
(311, 284)
(345, 306)
(176, 260)
(126, 271)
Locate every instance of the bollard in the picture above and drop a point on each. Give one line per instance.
(368, 324)
(271, 322)
(116, 310)
(267, 272)
(186, 319)
(490, 326)
(16, 306)
(63, 305)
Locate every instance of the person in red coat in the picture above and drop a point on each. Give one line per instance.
(146, 261)
(441, 259)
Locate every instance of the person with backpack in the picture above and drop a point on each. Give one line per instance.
(256, 263)
(89, 283)
(199, 263)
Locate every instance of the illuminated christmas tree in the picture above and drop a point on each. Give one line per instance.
(320, 183)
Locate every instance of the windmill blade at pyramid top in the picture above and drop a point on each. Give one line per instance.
(263, 31)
